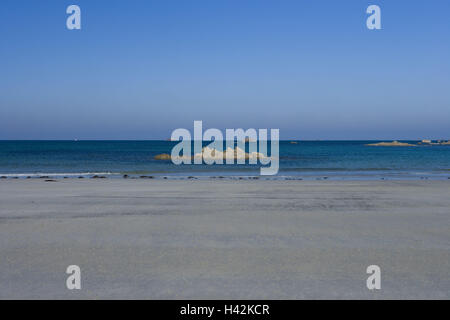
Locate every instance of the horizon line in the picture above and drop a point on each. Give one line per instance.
(168, 140)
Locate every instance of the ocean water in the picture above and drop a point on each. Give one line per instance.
(304, 160)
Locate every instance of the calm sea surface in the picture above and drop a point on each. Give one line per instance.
(306, 160)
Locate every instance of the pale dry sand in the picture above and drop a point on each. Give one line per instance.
(158, 239)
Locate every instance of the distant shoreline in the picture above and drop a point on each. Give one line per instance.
(62, 177)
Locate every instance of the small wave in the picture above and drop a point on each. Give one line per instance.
(41, 174)
(334, 169)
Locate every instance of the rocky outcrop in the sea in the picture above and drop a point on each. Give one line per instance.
(162, 156)
(211, 153)
(391, 144)
(229, 153)
(434, 143)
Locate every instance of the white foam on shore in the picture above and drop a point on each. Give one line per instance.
(40, 174)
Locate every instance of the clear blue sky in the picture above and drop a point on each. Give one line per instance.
(139, 69)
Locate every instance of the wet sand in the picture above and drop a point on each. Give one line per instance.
(201, 239)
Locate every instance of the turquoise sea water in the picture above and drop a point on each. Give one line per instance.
(306, 160)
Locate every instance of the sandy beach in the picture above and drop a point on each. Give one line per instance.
(224, 239)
